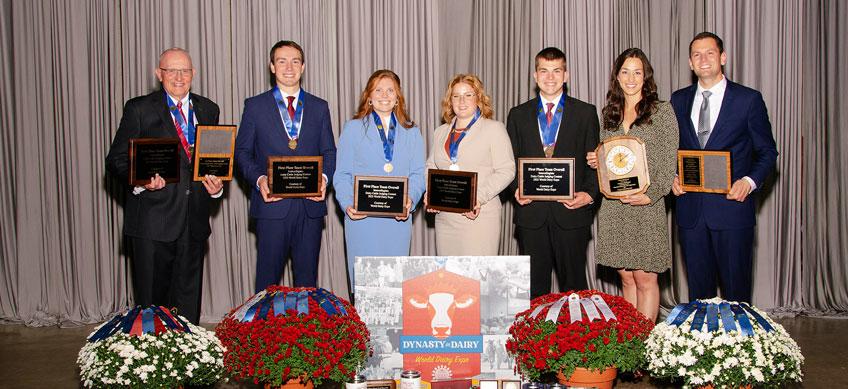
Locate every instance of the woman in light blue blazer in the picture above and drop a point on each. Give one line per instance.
(380, 140)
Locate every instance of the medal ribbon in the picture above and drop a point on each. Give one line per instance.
(292, 126)
(549, 130)
(185, 131)
(454, 142)
(388, 144)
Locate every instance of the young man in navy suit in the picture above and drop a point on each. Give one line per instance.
(285, 121)
(167, 225)
(717, 231)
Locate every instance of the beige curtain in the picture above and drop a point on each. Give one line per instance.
(68, 67)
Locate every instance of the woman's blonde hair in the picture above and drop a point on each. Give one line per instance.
(483, 100)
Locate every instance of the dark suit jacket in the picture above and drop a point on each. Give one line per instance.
(743, 128)
(578, 134)
(163, 214)
(262, 134)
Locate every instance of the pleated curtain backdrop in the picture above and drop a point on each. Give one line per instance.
(68, 66)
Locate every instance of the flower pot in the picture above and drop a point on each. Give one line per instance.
(710, 386)
(601, 379)
(294, 383)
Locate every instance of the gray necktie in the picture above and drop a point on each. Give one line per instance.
(704, 119)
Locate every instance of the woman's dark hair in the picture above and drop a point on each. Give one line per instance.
(613, 112)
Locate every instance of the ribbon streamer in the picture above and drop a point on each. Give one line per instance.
(604, 308)
(137, 321)
(591, 311)
(574, 308)
(732, 317)
(553, 313)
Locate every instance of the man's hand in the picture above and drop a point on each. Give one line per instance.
(740, 190)
(353, 215)
(265, 191)
(406, 208)
(213, 184)
(156, 183)
(323, 191)
(637, 199)
(676, 188)
(581, 199)
(592, 159)
(521, 201)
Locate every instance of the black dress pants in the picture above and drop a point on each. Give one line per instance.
(551, 247)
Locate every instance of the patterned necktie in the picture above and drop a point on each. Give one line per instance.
(291, 106)
(550, 114)
(704, 119)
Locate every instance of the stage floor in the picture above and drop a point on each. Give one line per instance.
(46, 357)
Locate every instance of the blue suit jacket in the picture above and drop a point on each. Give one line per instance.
(262, 134)
(742, 128)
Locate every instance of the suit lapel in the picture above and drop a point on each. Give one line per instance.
(276, 119)
(567, 127)
(723, 112)
(165, 114)
(534, 145)
(688, 129)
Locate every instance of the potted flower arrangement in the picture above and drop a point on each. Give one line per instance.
(573, 333)
(720, 343)
(294, 336)
(150, 348)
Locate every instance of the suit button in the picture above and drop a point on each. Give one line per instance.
(188, 192)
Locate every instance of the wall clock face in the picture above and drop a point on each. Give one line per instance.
(620, 160)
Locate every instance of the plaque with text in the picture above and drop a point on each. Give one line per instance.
(213, 152)
(380, 196)
(296, 176)
(622, 167)
(380, 384)
(151, 156)
(550, 179)
(451, 191)
(704, 170)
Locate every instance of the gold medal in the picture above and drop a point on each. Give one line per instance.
(292, 144)
(388, 167)
(549, 151)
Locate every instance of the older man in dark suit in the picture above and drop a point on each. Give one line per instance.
(167, 225)
(285, 121)
(555, 125)
(717, 231)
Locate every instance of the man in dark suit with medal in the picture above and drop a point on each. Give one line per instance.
(716, 231)
(554, 125)
(285, 121)
(167, 225)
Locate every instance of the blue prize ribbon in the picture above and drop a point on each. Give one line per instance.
(453, 148)
(187, 128)
(107, 329)
(320, 295)
(683, 315)
(251, 312)
(303, 302)
(698, 321)
(549, 131)
(147, 321)
(712, 317)
(759, 318)
(265, 306)
(388, 143)
(727, 319)
(291, 301)
(292, 126)
(742, 319)
(674, 312)
(129, 319)
(339, 304)
(279, 303)
(166, 320)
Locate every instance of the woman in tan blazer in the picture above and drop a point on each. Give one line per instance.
(471, 141)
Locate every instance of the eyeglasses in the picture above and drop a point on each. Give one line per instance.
(467, 96)
(175, 72)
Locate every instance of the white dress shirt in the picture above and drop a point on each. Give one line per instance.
(545, 102)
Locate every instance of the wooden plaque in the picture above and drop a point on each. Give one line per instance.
(451, 191)
(381, 384)
(214, 152)
(549, 179)
(295, 176)
(704, 170)
(151, 156)
(380, 196)
(622, 167)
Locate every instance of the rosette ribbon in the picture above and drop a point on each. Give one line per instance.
(151, 320)
(732, 316)
(594, 306)
(283, 302)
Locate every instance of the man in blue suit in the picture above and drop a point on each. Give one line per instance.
(285, 121)
(717, 231)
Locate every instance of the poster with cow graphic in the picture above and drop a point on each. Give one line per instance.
(447, 317)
